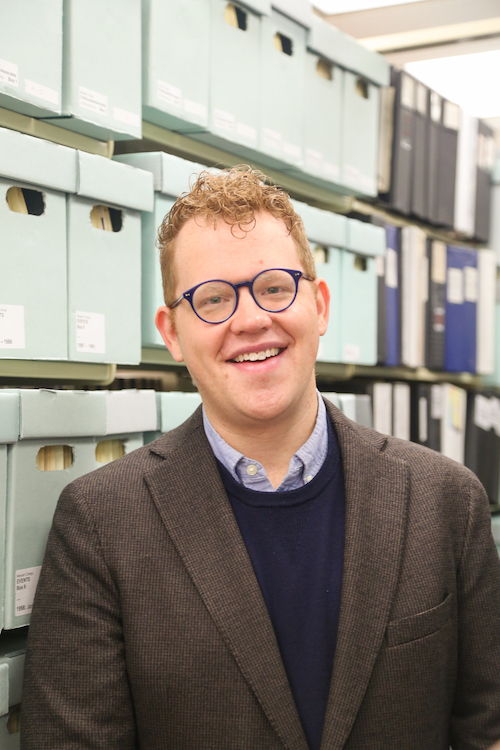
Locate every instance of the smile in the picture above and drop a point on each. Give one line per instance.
(256, 356)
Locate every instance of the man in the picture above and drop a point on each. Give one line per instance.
(269, 575)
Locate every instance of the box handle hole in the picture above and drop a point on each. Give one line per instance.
(25, 201)
(362, 88)
(360, 263)
(236, 17)
(106, 218)
(320, 254)
(324, 69)
(14, 720)
(283, 44)
(109, 450)
(54, 457)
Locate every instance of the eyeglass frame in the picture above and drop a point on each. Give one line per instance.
(296, 275)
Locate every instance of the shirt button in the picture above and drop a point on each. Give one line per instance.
(252, 470)
(308, 478)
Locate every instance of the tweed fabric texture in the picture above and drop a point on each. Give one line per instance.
(149, 628)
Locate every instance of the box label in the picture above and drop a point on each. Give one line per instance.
(436, 402)
(90, 333)
(168, 93)
(12, 327)
(93, 101)
(422, 420)
(128, 118)
(455, 287)
(482, 413)
(380, 265)
(272, 139)
(41, 92)
(471, 283)
(391, 268)
(246, 131)
(8, 73)
(26, 583)
(224, 120)
(194, 108)
(352, 352)
(331, 170)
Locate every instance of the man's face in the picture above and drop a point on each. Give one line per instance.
(245, 393)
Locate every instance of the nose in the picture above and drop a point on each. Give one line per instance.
(249, 317)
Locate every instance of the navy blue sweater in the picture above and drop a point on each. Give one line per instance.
(295, 541)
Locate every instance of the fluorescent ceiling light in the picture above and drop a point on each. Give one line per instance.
(468, 80)
(331, 7)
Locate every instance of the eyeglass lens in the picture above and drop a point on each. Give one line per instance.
(273, 291)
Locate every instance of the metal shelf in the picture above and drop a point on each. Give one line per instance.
(25, 370)
(49, 132)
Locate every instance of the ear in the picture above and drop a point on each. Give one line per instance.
(165, 324)
(322, 304)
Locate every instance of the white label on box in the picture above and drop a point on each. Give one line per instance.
(351, 173)
(272, 139)
(128, 118)
(424, 271)
(292, 150)
(26, 583)
(93, 101)
(436, 402)
(8, 73)
(224, 120)
(352, 352)
(455, 287)
(391, 268)
(41, 92)
(331, 170)
(423, 432)
(380, 265)
(194, 108)
(471, 282)
(451, 116)
(314, 158)
(367, 184)
(168, 93)
(482, 413)
(246, 131)
(90, 333)
(12, 327)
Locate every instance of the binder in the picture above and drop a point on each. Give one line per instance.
(461, 310)
(435, 316)
(381, 310)
(420, 157)
(435, 111)
(465, 189)
(448, 141)
(426, 415)
(401, 411)
(402, 156)
(381, 395)
(392, 296)
(485, 163)
(482, 440)
(485, 331)
(363, 407)
(453, 418)
(414, 294)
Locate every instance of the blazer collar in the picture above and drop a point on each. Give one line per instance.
(194, 507)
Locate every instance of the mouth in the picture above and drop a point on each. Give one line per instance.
(258, 356)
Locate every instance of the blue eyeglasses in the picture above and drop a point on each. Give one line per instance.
(273, 290)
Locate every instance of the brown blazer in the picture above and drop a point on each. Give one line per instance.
(150, 630)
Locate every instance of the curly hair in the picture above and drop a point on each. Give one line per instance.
(235, 196)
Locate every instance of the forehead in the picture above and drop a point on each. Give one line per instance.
(205, 250)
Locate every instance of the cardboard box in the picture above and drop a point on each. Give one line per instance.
(34, 175)
(358, 293)
(102, 69)
(31, 50)
(9, 741)
(12, 654)
(176, 66)
(104, 267)
(176, 407)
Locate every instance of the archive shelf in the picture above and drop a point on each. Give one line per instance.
(29, 370)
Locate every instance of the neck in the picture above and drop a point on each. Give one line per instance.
(274, 443)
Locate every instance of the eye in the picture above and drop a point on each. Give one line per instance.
(274, 290)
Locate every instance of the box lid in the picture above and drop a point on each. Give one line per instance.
(120, 184)
(28, 159)
(172, 175)
(347, 52)
(263, 7)
(130, 411)
(323, 227)
(9, 416)
(365, 238)
(46, 413)
(297, 10)
(176, 408)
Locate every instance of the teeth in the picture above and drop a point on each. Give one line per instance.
(254, 356)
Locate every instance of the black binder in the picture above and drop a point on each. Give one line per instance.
(448, 142)
(402, 155)
(420, 152)
(435, 112)
(485, 161)
(426, 415)
(482, 441)
(436, 307)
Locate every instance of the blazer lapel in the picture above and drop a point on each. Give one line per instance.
(193, 505)
(376, 488)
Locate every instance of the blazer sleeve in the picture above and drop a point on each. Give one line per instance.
(475, 721)
(76, 692)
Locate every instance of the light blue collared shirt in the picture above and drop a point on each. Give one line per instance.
(303, 467)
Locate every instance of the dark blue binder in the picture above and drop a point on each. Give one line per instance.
(392, 300)
(461, 305)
